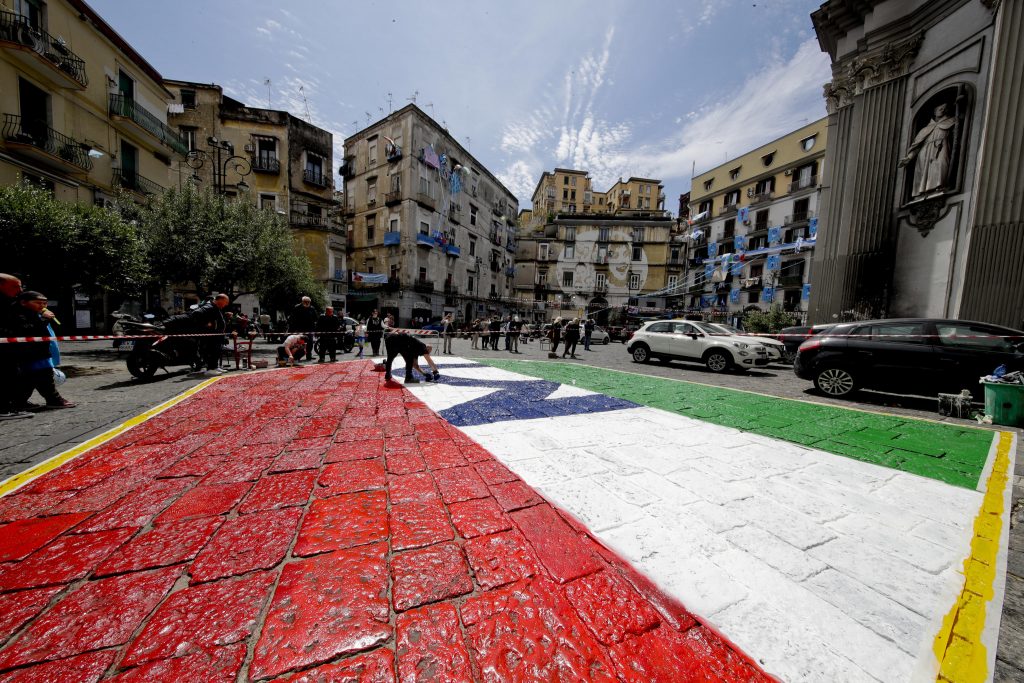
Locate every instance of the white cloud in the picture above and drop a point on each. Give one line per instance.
(520, 178)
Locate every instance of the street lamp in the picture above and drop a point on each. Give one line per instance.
(222, 156)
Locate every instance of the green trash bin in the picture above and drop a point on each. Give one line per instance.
(1005, 403)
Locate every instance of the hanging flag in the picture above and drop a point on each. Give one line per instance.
(699, 217)
(696, 234)
(708, 270)
(736, 268)
(430, 157)
(768, 295)
(772, 263)
(740, 242)
(805, 294)
(774, 235)
(743, 215)
(713, 250)
(812, 227)
(734, 295)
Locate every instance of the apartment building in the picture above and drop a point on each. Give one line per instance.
(753, 227)
(430, 229)
(83, 113)
(584, 252)
(269, 157)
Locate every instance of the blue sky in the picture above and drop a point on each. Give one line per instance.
(646, 88)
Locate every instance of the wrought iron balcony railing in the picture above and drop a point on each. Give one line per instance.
(314, 177)
(798, 184)
(300, 218)
(266, 165)
(131, 180)
(41, 136)
(128, 108)
(14, 28)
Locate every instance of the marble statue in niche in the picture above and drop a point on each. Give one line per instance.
(931, 153)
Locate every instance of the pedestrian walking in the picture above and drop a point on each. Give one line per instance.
(506, 329)
(409, 348)
(36, 361)
(572, 337)
(10, 379)
(494, 331)
(375, 331)
(555, 336)
(327, 327)
(447, 332)
(474, 333)
(588, 331)
(265, 324)
(360, 338)
(303, 319)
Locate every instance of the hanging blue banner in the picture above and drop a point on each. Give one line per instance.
(734, 296)
(812, 227)
(736, 268)
(708, 271)
(707, 301)
(743, 215)
(768, 295)
(713, 250)
(806, 293)
(772, 262)
(774, 235)
(740, 242)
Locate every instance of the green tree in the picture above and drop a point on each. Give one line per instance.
(200, 237)
(54, 245)
(770, 321)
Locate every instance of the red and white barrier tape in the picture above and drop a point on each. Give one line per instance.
(157, 335)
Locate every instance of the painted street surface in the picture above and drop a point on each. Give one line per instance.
(872, 555)
(311, 524)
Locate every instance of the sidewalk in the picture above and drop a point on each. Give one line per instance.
(312, 523)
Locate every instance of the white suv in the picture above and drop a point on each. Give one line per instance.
(695, 341)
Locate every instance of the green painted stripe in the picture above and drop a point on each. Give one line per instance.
(949, 453)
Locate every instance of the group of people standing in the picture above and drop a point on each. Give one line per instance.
(26, 367)
(568, 333)
(486, 333)
(305, 325)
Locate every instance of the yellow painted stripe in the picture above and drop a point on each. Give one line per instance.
(958, 647)
(22, 478)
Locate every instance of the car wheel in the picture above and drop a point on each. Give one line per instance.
(607, 340)
(641, 354)
(717, 360)
(835, 382)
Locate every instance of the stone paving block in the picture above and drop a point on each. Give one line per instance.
(529, 632)
(206, 501)
(432, 431)
(494, 473)
(409, 488)
(610, 607)
(164, 545)
(355, 450)
(479, 517)
(87, 668)
(597, 507)
(373, 667)
(345, 433)
(343, 522)
(665, 655)
(442, 454)
(317, 443)
(325, 606)
(457, 484)
(289, 461)
(430, 646)
(278, 430)
(318, 426)
(515, 495)
(428, 575)
(775, 552)
(558, 546)
(402, 444)
(18, 607)
(140, 508)
(279, 491)
(194, 466)
(202, 618)
(101, 495)
(67, 558)
(100, 614)
(237, 469)
(669, 609)
(23, 505)
(219, 665)
(501, 559)
(415, 525)
(405, 463)
(246, 543)
(25, 536)
(350, 477)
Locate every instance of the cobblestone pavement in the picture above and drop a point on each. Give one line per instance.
(107, 396)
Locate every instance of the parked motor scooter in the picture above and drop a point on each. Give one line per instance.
(157, 350)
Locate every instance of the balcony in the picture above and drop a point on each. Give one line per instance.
(791, 281)
(130, 180)
(804, 184)
(601, 288)
(309, 219)
(392, 198)
(315, 177)
(799, 217)
(392, 238)
(271, 165)
(425, 200)
(452, 250)
(40, 51)
(451, 294)
(42, 143)
(424, 240)
(695, 289)
(728, 209)
(122, 107)
(762, 197)
(423, 286)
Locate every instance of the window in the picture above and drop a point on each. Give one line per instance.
(570, 234)
(469, 283)
(730, 228)
(396, 183)
(709, 183)
(472, 214)
(423, 274)
(567, 278)
(768, 159)
(663, 328)
(472, 246)
(673, 281)
(807, 144)
(565, 195)
(542, 252)
(394, 225)
(188, 99)
(268, 202)
(761, 220)
(975, 337)
(638, 252)
(570, 250)
(425, 185)
(603, 234)
(601, 281)
(266, 149)
(572, 181)
(565, 180)
(572, 193)
(371, 192)
(371, 228)
(314, 168)
(634, 281)
(394, 271)
(638, 235)
(732, 198)
(424, 228)
(188, 135)
(31, 11)
(765, 186)
(371, 155)
(542, 277)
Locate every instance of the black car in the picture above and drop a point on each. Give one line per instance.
(793, 337)
(921, 356)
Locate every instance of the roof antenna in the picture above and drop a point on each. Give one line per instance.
(266, 82)
(389, 102)
(414, 95)
(309, 117)
(431, 105)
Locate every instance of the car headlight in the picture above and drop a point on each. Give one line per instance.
(740, 345)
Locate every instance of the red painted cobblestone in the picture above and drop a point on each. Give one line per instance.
(410, 516)
(349, 477)
(415, 525)
(435, 573)
(164, 545)
(325, 606)
(343, 522)
(99, 614)
(279, 491)
(24, 536)
(430, 646)
(69, 557)
(201, 618)
(246, 543)
(479, 517)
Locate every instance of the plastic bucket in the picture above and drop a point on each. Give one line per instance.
(1005, 403)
